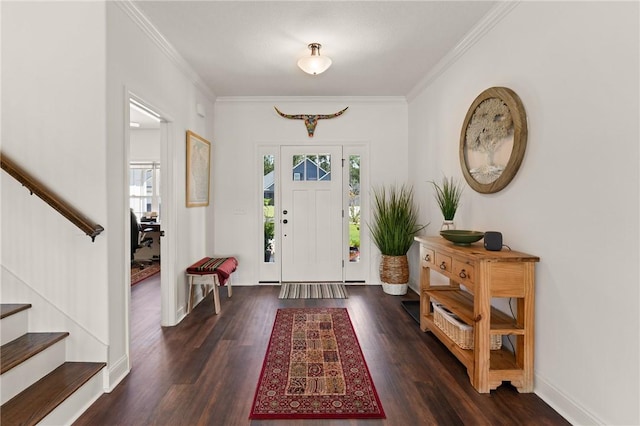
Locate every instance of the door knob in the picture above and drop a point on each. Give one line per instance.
(284, 212)
(285, 221)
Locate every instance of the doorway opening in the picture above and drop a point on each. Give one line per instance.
(144, 205)
(144, 191)
(148, 138)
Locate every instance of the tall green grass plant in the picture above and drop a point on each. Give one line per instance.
(448, 196)
(395, 219)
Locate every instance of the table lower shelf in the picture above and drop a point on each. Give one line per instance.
(462, 304)
(502, 363)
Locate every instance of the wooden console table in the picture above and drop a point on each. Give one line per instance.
(475, 277)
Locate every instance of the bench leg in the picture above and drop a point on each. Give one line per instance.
(216, 298)
(214, 283)
(190, 302)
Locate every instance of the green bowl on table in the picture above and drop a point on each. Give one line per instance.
(462, 237)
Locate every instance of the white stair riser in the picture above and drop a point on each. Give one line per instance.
(73, 407)
(24, 375)
(13, 326)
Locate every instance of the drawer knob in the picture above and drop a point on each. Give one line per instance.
(443, 265)
(427, 257)
(463, 274)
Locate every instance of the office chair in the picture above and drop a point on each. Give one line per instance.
(137, 242)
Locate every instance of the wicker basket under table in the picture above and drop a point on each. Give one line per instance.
(458, 331)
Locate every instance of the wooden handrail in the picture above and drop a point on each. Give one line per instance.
(36, 187)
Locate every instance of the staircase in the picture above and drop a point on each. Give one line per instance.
(37, 384)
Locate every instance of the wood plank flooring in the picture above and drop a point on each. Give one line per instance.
(204, 370)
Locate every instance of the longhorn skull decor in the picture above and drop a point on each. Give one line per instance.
(310, 120)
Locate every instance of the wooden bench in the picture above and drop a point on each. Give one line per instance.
(210, 273)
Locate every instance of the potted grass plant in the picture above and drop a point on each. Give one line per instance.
(393, 228)
(448, 195)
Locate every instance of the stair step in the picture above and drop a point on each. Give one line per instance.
(14, 321)
(38, 400)
(26, 346)
(7, 309)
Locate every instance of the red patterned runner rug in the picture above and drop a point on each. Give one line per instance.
(314, 369)
(141, 274)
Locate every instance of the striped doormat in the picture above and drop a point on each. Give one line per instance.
(313, 291)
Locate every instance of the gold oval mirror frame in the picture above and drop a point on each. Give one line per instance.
(493, 140)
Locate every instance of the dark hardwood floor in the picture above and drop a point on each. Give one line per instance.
(204, 371)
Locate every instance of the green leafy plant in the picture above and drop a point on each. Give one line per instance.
(448, 196)
(269, 224)
(269, 228)
(395, 219)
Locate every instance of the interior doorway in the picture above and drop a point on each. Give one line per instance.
(145, 201)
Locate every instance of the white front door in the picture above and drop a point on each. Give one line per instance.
(311, 213)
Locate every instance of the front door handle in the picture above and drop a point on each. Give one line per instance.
(285, 221)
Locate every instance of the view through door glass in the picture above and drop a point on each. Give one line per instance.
(268, 211)
(354, 208)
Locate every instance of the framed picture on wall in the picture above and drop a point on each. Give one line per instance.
(198, 170)
(493, 140)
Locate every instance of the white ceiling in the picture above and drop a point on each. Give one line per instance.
(250, 48)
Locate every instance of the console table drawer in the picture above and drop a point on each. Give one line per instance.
(427, 257)
(463, 272)
(443, 262)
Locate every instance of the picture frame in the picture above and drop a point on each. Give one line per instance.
(198, 170)
(493, 140)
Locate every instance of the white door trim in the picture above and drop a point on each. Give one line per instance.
(168, 193)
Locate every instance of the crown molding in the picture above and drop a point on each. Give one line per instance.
(165, 47)
(314, 99)
(495, 15)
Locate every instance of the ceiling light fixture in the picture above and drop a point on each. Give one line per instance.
(314, 64)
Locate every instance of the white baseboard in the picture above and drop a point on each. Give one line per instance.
(181, 314)
(116, 373)
(563, 404)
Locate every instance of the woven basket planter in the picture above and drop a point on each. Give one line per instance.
(394, 274)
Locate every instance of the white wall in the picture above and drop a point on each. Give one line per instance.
(53, 125)
(574, 201)
(242, 124)
(144, 145)
(137, 64)
(66, 70)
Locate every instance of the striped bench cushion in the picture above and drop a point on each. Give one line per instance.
(221, 266)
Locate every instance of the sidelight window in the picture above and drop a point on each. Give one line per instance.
(268, 216)
(354, 208)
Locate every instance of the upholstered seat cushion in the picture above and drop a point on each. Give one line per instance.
(221, 266)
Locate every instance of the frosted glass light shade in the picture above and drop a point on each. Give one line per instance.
(314, 64)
